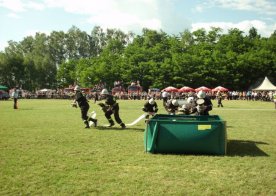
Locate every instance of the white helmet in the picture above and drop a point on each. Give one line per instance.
(175, 102)
(186, 106)
(201, 94)
(104, 92)
(77, 88)
(190, 100)
(151, 101)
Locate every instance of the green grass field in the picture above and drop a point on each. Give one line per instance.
(45, 150)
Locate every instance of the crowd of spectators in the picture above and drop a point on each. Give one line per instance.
(123, 94)
(99, 87)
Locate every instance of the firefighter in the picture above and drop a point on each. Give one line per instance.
(203, 104)
(172, 106)
(111, 107)
(187, 108)
(81, 101)
(150, 107)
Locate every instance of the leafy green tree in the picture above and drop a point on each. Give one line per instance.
(13, 64)
(77, 44)
(57, 46)
(154, 58)
(5, 71)
(97, 41)
(187, 39)
(66, 74)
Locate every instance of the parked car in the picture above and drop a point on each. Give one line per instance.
(154, 92)
(134, 91)
(4, 95)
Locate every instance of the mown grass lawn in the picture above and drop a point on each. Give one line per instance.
(44, 150)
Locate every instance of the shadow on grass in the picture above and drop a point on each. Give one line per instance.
(244, 148)
(25, 109)
(103, 128)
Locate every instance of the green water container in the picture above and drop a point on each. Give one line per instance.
(185, 134)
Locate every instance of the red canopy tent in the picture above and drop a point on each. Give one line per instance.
(202, 88)
(170, 89)
(186, 89)
(220, 88)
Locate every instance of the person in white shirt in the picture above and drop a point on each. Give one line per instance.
(15, 95)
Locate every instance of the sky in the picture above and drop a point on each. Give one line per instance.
(22, 18)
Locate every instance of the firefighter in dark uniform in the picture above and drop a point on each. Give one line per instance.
(82, 102)
(187, 108)
(172, 106)
(203, 104)
(151, 107)
(111, 107)
(164, 96)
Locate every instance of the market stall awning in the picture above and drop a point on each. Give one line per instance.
(3, 87)
(203, 88)
(170, 89)
(186, 89)
(220, 88)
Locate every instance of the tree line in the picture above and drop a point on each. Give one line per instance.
(155, 58)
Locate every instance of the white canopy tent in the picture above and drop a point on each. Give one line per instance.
(266, 85)
(44, 90)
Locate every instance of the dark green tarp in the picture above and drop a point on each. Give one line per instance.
(3, 87)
